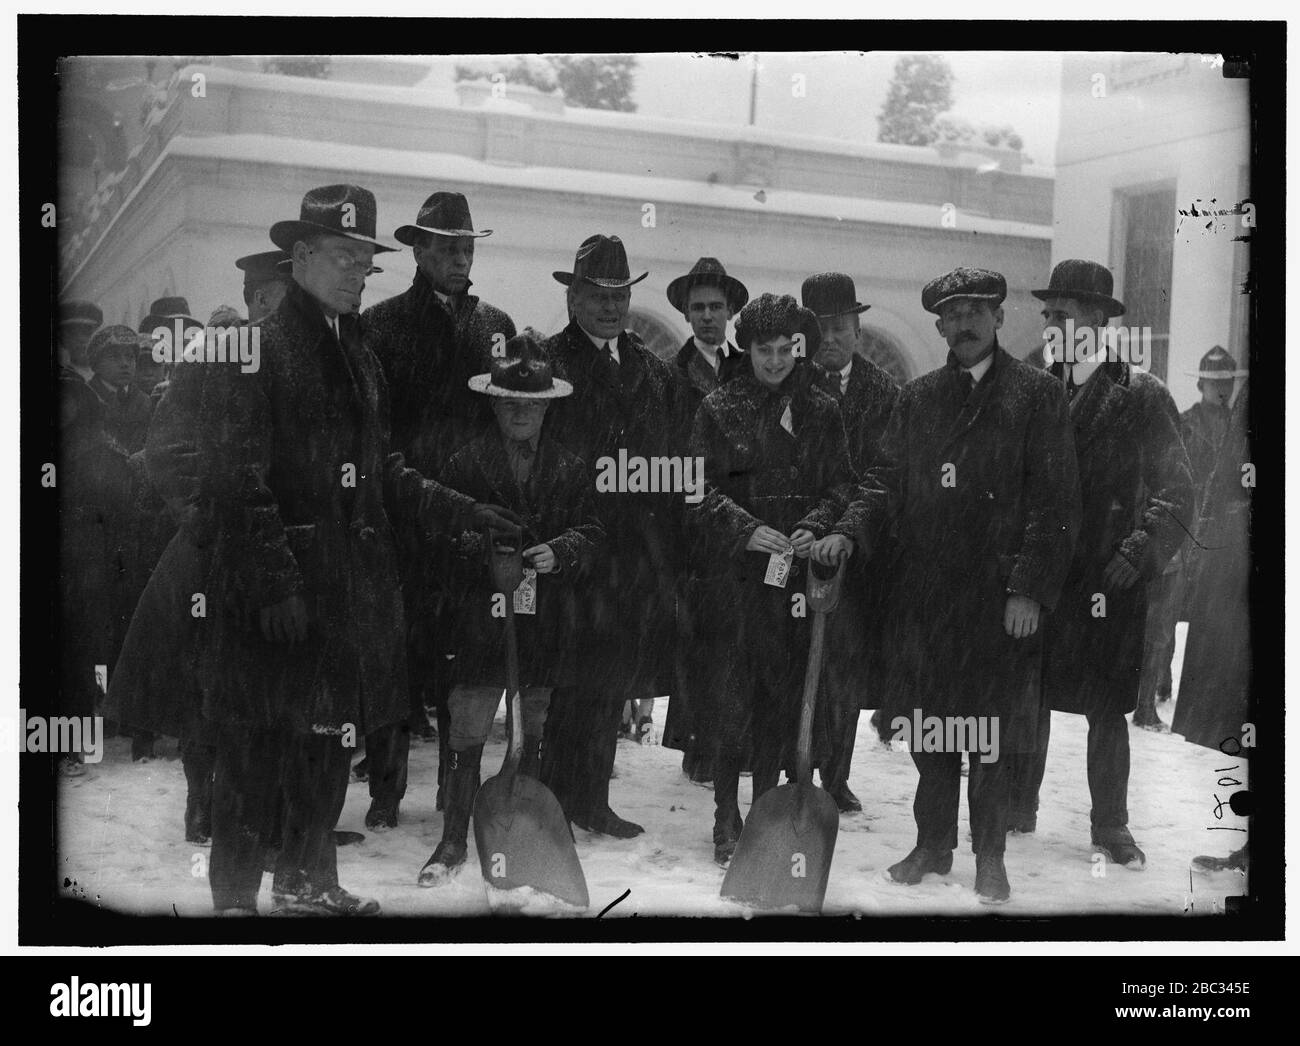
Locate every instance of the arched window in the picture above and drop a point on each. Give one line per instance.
(658, 337)
(884, 351)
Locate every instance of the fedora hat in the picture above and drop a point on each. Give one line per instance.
(1084, 281)
(443, 214)
(964, 282)
(80, 313)
(265, 265)
(601, 260)
(831, 294)
(708, 272)
(341, 210)
(523, 373)
(1218, 365)
(164, 312)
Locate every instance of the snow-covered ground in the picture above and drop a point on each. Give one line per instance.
(122, 843)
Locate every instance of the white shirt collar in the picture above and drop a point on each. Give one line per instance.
(709, 352)
(844, 376)
(113, 388)
(603, 343)
(978, 371)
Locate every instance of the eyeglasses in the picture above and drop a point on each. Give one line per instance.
(348, 262)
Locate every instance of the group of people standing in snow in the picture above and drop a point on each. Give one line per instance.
(307, 546)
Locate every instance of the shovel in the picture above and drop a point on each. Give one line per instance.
(783, 856)
(520, 829)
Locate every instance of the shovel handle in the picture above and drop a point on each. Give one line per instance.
(507, 570)
(823, 596)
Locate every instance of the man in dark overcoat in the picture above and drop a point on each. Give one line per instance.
(707, 297)
(977, 469)
(429, 341)
(625, 400)
(866, 396)
(1137, 496)
(303, 647)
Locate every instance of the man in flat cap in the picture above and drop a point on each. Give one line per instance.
(625, 400)
(1137, 499)
(977, 471)
(429, 340)
(112, 357)
(866, 396)
(303, 647)
(707, 297)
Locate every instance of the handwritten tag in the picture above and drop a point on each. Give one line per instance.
(787, 420)
(778, 568)
(526, 594)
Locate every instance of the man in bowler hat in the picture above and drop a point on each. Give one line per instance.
(304, 642)
(977, 470)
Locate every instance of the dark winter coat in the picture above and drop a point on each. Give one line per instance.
(1202, 432)
(627, 603)
(731, 362)
(126, 413)
(1137, 496)
(984, 493)
(279, 450)
(1215, 697)
(556, 504)
(428, 356)
(761, 473)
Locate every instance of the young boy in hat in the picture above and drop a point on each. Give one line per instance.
(112, 356)
(551, 491)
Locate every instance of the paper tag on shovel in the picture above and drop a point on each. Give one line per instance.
(778, 568)
(525, 596)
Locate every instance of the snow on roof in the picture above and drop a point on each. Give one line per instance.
(267, 149)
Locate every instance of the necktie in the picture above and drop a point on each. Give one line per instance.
(967, 385)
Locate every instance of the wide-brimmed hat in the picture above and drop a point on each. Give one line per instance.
(601, 260)
(524, 372)
(831, 294)
(265, 265)
(340, 210)
(443, 214)
(708, 272)
(80, 313)
(164, 312)
(964, 282)
(116, 336)
(772, 314)
(1084, 281)
(1218, 365)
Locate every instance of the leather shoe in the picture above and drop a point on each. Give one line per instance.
(1237, 861)
(991, 879)
(606, 822)
(1023, 825)
(381, 816)
(846, 800)
(333, 901)
(1118, 846)
(919, 863)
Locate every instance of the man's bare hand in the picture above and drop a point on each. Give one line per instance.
(541, 558)
(765, 539)
(1021, 617)
(1120, 573)
(496, 519)
(802, 540)
(284, 622)
(831, 549)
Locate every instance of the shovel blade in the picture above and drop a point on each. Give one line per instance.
(523, 839)
(783, 857)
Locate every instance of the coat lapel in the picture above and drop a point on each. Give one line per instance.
(984, 393)
(1096, 408)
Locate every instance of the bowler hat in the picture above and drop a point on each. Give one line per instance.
(340, 210)
(1084, 281)
(964, 282)
(1218, 365)
(116, 336)
(831, 294)
(771, 315)
(708, 272)
(266, 265)
(601, 260)
(523, 373)
(80, 313)
(164, 312)
(443, 214)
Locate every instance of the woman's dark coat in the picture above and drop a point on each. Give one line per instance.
(1137, 499)
(556, 504)
(984, 494)
(759, 472)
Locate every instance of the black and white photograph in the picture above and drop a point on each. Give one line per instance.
(811, 488)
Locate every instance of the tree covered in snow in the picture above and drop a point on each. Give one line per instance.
(919, 92)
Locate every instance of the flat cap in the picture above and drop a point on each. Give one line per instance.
(116, 336)
(963, 282)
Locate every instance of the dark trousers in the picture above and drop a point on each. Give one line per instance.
(1163, 598)
(938, 799)
(843, 736)
(198, 761)
(579, 742)
(256, 770)
(1108, 769)
(388, 751)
